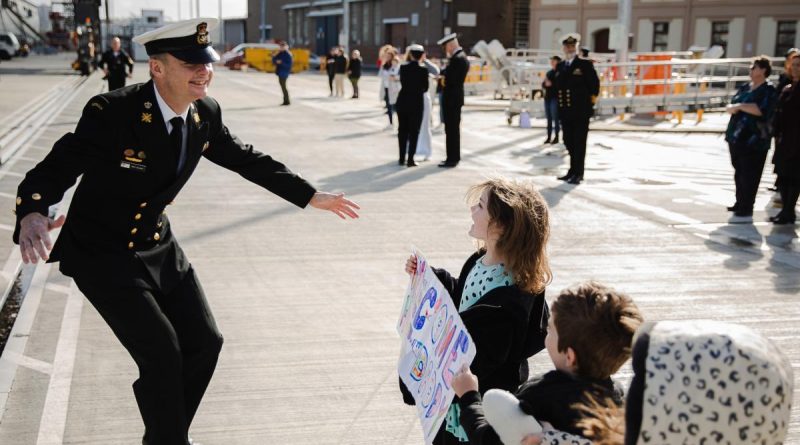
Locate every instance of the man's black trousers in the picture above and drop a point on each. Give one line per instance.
(175, 343)
(575, 132)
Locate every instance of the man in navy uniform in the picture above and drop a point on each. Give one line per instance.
(136, 147)
(452, 78)
(116, 64)
(577, 87)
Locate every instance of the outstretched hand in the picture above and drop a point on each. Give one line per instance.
(34, 236)
(336, 203)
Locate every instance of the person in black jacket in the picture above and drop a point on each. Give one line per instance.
(330, 67)
(114, 63)
(339, 71)
(589, 337)
(452, 78)
(410, 103)
(577, 86)
(136, 148)
(500, 290)
(551, 102)
(354, 71)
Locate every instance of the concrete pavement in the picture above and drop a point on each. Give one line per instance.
(308, 303)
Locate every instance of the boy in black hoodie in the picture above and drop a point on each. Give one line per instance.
(588, 338)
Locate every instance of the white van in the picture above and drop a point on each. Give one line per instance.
(9, 45)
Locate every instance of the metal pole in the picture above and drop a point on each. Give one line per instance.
(624, 16)
(263, 21)
(179, 9)
(221, 27)
(108, 28)
(197, 8)
(346, 24)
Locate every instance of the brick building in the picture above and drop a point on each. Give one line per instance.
(743, 27)
(317, 24)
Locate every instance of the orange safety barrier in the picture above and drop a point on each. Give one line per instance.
(659, 72)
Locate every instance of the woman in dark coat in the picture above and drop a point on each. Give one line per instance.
(748, 136)
(410, 103)
(787, 145)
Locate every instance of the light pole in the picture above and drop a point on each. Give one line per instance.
(624, 17)
(346, 24)
(221, 27)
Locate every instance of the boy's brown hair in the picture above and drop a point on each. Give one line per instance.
(521, 213)
(598, 323)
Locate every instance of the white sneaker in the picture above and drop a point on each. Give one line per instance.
(740, 220)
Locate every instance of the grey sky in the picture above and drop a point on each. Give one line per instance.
(132, 8)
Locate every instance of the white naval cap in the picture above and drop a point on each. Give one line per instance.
(416, 47)
(186, 40)
(571, 39)
(447, 38)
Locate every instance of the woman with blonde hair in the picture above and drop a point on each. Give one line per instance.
(500, 290)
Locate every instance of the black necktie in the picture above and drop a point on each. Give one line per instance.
(176, 139)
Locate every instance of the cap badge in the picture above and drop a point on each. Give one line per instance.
(202, 34)
(148, 105)
(147, 117)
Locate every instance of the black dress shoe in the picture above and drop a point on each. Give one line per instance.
(546, 141)
(732, 208)
(447, 164)
(555, 141)
(565, 177)
(401, 162)
(574, 180)
(411, 164)
(780, 219)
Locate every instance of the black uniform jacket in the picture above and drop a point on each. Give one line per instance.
(508, 325)
(454, 75)
(116, 64)
(549, 397)
(413, 84)
(577, 86)
(117, 222)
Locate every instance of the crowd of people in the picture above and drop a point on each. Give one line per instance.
(761, 111)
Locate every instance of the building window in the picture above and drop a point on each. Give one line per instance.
(365, 23)
(784, 41)
(522, 18)
(290, 26)
(660, 36)
(376, 20)
(719, 35)
(355, 15)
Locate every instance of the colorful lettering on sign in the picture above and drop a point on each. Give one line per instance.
(459, 347)
(420, 360)
(430, 298)
(440, 323)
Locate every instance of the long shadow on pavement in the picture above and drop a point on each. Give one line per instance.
(378, 178)
(742, 242)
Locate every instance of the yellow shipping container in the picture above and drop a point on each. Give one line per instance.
(261, 59)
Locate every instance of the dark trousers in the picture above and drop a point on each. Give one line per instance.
(551, 112)
(330, 80)
(748, 164)
(575, 133)
(175, 343)
(282, 81)
(452, 132)
(354, 82)
(789, 195)
(115, 82)
(389, 106)
(408, 133)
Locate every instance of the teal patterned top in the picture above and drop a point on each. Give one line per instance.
(481, 280)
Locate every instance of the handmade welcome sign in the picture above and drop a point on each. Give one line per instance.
(435, 345)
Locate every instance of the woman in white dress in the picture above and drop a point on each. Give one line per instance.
(425, 142)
